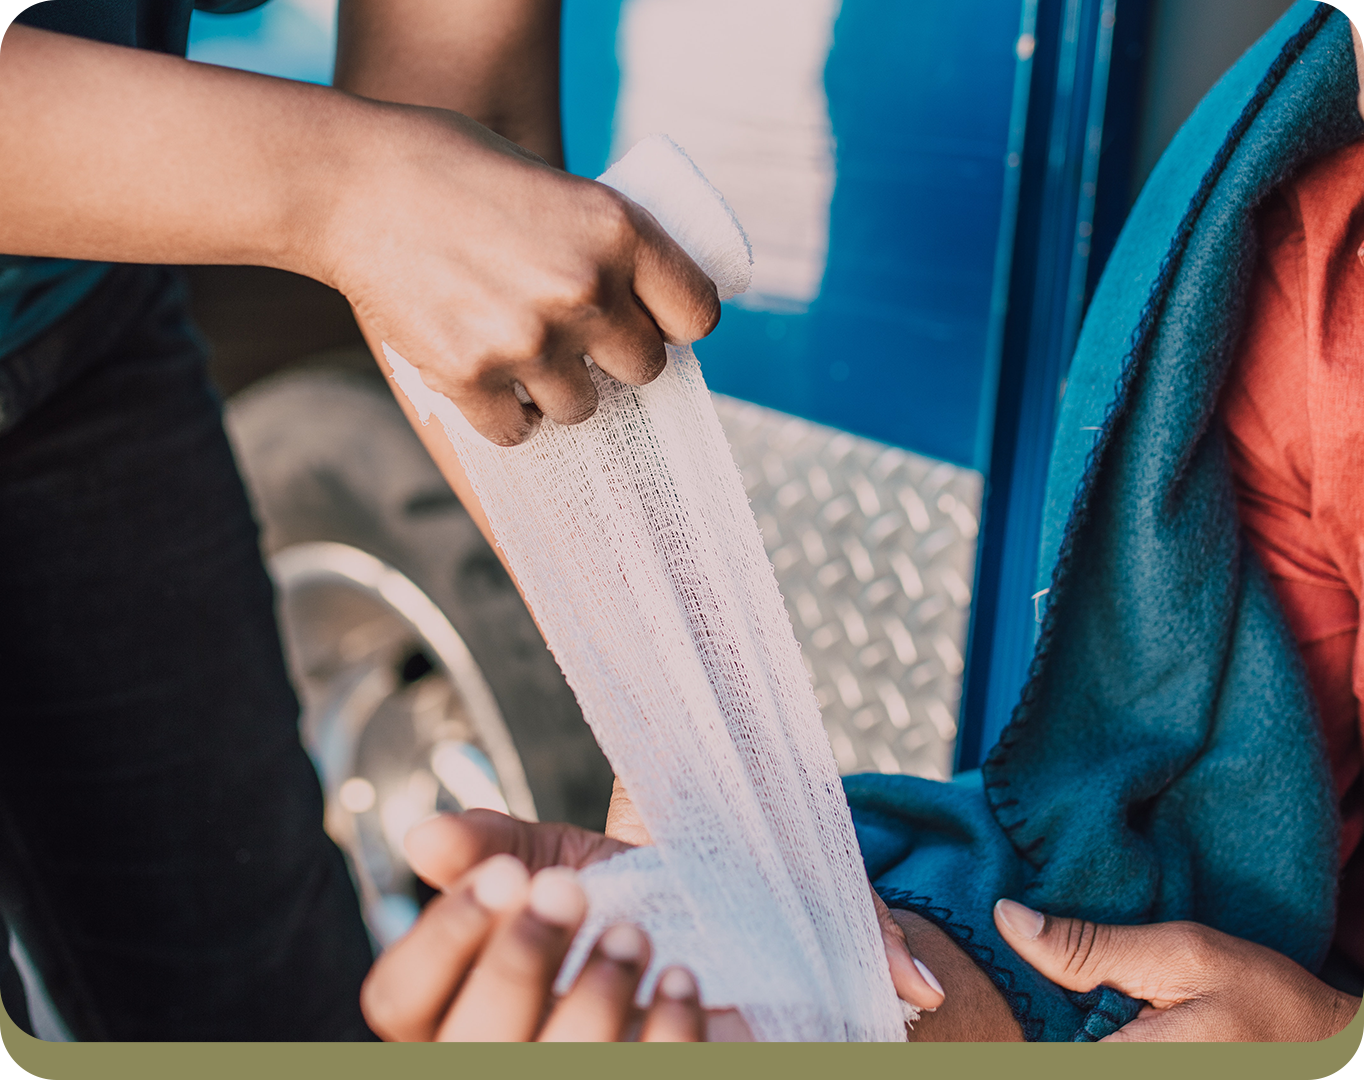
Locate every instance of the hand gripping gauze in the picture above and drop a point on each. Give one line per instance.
(633, 541)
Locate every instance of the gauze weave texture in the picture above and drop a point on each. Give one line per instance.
(633, 541)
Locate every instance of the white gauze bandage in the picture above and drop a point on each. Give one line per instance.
(633, 541)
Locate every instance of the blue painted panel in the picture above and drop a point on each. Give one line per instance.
(292, 39)
(590, 80)
(920, 97)
(895, 345)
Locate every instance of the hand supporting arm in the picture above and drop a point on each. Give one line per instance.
(1200, 985)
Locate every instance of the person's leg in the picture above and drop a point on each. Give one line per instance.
(168, 823)
(12, 996)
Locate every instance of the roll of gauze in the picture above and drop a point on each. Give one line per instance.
(633, 541)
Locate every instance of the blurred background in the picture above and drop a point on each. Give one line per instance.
(931, 191)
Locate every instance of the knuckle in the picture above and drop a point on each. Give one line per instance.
(642, 371)
(510, 436)
(639, 359)
(1189, 942)
(523, 341)
(517, 966)
(469, 386)
(584, 287)
(1082, 942)
(475, 367)
(613, 219)
(654, 360)
(696, 310)
(509, 427)
(458, 919)
(459, 383)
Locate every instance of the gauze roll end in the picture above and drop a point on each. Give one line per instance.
(658, 174)
(632, 538)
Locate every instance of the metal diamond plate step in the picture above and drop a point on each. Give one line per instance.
(874, 549)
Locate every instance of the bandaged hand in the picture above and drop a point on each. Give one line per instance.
(1200, 985)
(481, 960)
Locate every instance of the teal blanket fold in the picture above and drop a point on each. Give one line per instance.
(1164, 761)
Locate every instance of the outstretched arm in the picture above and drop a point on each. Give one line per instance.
(496, 61)
(116, 154)
(480, 263)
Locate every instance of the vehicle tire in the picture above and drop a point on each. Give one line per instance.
(328, 456)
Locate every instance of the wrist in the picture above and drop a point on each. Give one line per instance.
(388, 184)
(322, 183)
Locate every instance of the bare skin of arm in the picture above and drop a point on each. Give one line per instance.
(495, 61)
(111, 153)
(973, 1010)
(1359, 64)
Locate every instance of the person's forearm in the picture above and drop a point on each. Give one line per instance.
(489, 270)
(496, 61)
(442, 452)
(109, 153)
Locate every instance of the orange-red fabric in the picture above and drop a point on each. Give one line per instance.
(1294, 415)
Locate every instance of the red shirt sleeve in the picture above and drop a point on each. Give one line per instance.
(1293, 411)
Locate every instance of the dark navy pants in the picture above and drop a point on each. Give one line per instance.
(162, 855)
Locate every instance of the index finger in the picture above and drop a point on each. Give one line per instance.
(912, 979)
(410, 987)
(442, 849)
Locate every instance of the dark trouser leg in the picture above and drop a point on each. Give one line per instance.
(12, 996)
(166, 846)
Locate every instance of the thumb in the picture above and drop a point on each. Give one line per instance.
(1149, 963)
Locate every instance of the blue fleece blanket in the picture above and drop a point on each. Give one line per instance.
(1164, 761)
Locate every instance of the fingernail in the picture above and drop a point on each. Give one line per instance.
(677, 984)
(556, 897)
(929, 977)
(1023, 921)
(624, 944)
(500, 883)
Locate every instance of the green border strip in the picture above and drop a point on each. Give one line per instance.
(368, 1061)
